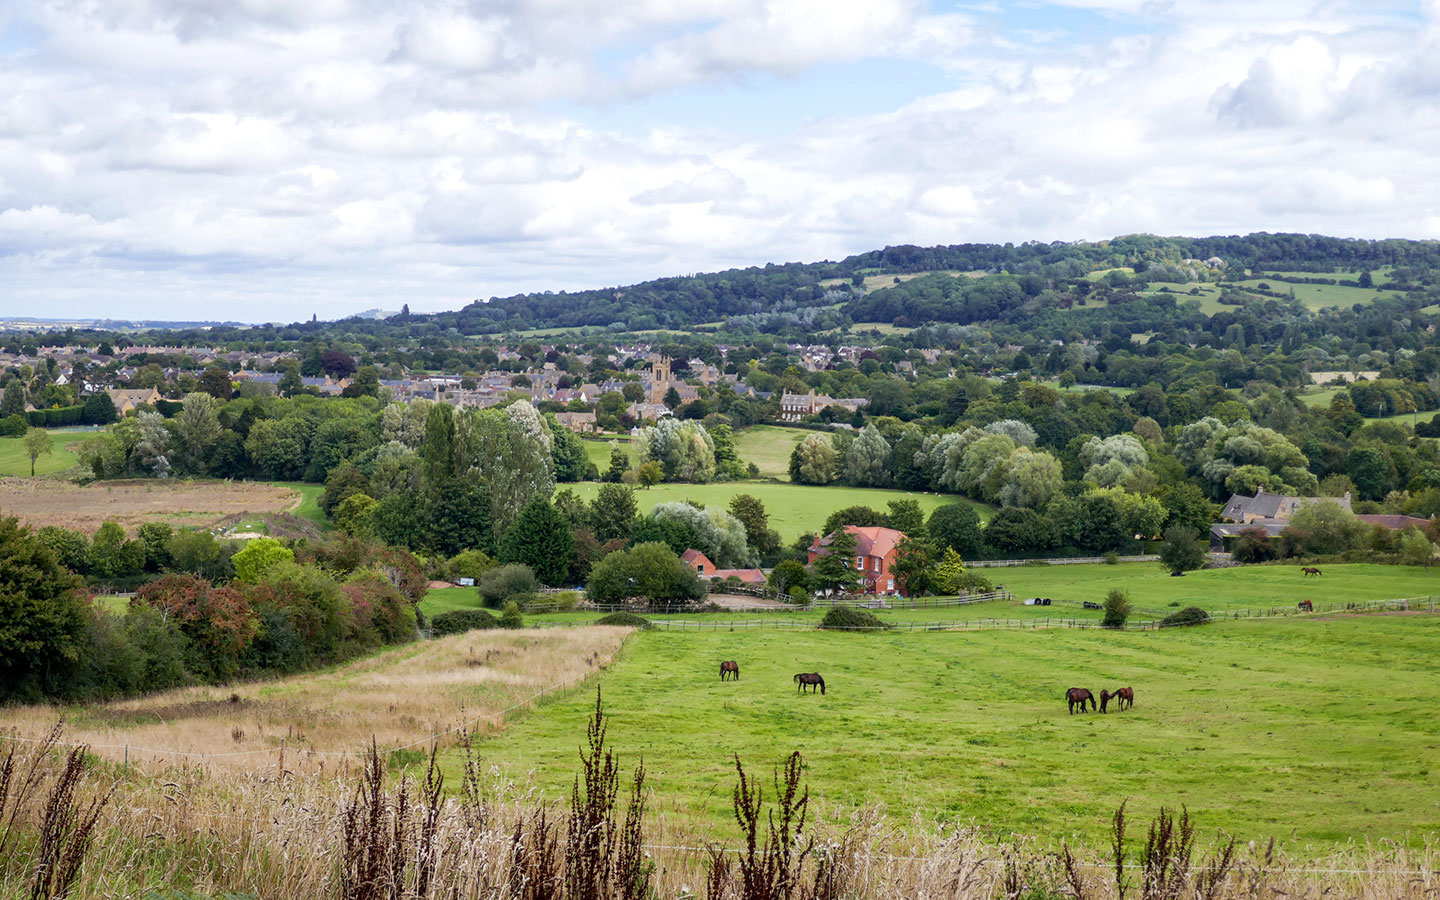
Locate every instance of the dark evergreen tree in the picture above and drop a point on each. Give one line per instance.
(98, 409)
(541, 539)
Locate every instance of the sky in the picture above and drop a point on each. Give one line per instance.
(266, 160)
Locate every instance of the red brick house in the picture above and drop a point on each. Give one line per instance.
(699, 562)
(874, 556)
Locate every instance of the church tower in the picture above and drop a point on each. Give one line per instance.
(659, 380)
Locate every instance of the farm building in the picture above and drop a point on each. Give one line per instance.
(706, 569)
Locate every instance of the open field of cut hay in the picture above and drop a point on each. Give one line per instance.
(399, 696)
(40, 502)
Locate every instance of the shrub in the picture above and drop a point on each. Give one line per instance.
(565, 601)
(1182, 550)
(1190, 615)
(852, 619)
(470, 564)
(974, 582)
(1117, 608)
(459, 621)
(512, 618)
(1112, 558)
(503, 582)
(626, 619)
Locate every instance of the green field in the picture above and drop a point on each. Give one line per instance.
(1152, 590)
(1320, 728)
(794, 509)
(309, 507)
(769, 447)
(14, 460)
(1248, 587)
(1319, 296)
(597, 450)
(1320, 398)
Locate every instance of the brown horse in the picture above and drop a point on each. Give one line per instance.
(1127, 697)
(812, 679)
(731, 668)
(1105, 698)
(1309, 570)
(1305, 606)
(1080, 696)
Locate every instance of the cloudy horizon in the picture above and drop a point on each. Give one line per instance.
(262, 160)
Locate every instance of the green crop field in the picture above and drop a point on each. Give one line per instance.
(14, 460)
(794, 509)
(1323, 729)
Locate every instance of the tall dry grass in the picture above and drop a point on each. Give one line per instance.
(368, 834)
(42, 501)
(318, 721)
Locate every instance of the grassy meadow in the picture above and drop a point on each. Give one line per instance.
(794, 509)
(1152, 591)
(1321, 729)
(769, 448)
(308, 505)
(14, 460)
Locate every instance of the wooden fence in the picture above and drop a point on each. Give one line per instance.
(721, 622)
(1056, 561)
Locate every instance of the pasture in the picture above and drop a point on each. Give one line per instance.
(769, 448)
(1152, 591)
(597, 449)
(1318, 728)
(1320, 296)
(794, 509)
(14, 460)
(1247, 587)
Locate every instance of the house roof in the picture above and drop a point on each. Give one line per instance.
(748, 576)
(694, 557)
(873, 540)
(1271, 506)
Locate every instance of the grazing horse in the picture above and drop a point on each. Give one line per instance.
(1080, 696)
(1127, 697)
(1309, 570)
(731, 668)
(812, 679)
(1105, 698)
(1305, 605)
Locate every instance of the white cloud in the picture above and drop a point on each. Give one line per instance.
(286, 158)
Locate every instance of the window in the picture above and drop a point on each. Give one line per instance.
(860, 563)
(890, 585)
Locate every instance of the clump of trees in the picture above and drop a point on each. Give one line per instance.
(183, 628)
(649, 572)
